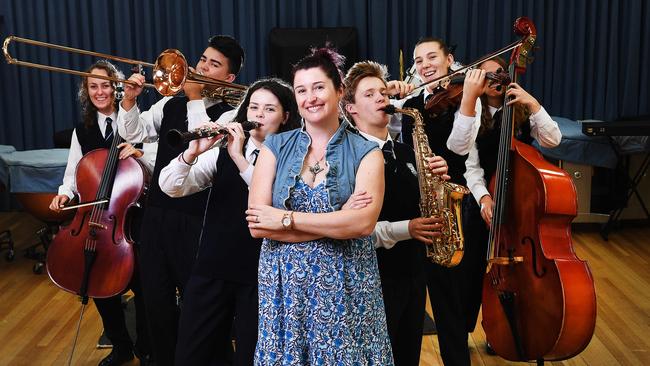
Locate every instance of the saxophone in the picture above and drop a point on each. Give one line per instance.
(438, 198)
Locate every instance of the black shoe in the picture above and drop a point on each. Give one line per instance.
(146, 359)
(117, 357)
(489, 350)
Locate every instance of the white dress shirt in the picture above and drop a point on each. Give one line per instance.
(395, 122)
(463, 133)
(386, 233)
(143, 127)
(542, 128)
(69, 185)
(178, 179)
(227, 117)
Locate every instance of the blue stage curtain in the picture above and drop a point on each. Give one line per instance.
(589, 62)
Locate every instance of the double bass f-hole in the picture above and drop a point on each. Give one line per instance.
(539, 272)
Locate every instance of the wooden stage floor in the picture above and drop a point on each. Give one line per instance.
(37, 320)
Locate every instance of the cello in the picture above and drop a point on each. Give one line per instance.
(93, 255)
(538, 299)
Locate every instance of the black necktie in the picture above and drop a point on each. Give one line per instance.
(255, 154)
(388, 150)
(108, 132)
(389, 156)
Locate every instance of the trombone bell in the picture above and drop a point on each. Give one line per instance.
(170, 72)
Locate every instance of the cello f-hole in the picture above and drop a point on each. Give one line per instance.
(77, 231)
(113, 221)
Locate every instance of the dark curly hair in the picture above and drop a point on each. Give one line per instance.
(328, 59)
(88, 109)
(283, 92)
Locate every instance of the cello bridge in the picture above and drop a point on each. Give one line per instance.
(97, 225)
(505, 261)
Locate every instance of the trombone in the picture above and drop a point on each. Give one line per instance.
(170, 71)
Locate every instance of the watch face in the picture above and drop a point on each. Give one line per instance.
(286, 221)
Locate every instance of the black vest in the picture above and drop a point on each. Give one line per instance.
(437, 129)
(90, 138)
(401, 202)
(175, 117)
(227, 250)
(487, 144)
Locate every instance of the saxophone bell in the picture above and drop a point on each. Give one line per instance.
(437, 197)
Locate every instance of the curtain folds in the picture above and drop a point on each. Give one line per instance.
(588, 65)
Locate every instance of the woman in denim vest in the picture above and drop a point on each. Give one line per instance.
(320, 298)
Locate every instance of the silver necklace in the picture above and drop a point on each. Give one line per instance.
(316, 168)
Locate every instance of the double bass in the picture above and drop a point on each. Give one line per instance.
(93, 256)
(539, 301)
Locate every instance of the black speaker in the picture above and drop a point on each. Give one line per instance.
(288, 45)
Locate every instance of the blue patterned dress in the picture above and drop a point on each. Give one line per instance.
(320, 302)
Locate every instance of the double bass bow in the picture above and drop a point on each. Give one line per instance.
(539, 300)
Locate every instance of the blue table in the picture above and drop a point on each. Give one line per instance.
(578, 148)
(4, 178)
(34, 170)
(4, 171)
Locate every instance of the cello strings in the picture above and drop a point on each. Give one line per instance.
(96, 211)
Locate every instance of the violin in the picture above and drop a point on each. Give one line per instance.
(444, 98)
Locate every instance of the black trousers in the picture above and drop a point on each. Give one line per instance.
(405, 300)
(169, 242)
(455, 293)
(474, 260)
(444, 286)
(112, 314)
(204, 334)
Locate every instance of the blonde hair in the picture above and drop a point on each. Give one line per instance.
(357, 72)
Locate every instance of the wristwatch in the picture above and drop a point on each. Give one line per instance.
(287, 220)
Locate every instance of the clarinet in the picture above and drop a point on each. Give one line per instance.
(177, 138)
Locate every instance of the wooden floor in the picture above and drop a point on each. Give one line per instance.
(37, 320)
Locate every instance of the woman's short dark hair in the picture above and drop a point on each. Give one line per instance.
(328, 59)
(88, 109)
(230, 48)
(283, 92)
(446, 50)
